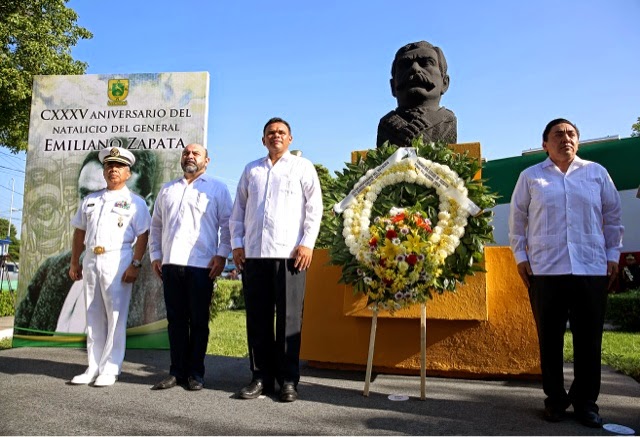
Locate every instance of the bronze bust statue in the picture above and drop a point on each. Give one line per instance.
(418, 80)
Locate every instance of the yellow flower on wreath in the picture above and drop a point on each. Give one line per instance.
(390, 251)
(414, 242)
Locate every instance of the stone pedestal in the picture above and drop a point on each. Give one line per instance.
(483, 330)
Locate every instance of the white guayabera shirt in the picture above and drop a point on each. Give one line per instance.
(277, 207)
(566, 223)
(187, 219)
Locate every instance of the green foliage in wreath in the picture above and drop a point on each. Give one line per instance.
(468, 255)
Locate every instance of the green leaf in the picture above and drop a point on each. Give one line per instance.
(37, 37)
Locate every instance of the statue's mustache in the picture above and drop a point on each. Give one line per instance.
(416, 79)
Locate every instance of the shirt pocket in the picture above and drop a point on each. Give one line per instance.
(592, 188)
(198, 215)
(90, 212)
(201, 205)
(590, 250)
(120, 219)
(292, 191)
(255, 186)
(202, 244)
(89, 209)
(543, 249)
(539, 191)
(288, 223)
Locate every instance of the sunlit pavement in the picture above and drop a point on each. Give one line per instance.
(36, 399)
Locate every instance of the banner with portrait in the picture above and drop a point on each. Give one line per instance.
(72, 118)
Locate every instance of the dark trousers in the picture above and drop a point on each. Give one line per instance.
(187, 296)
(581, 300)
(274, 285)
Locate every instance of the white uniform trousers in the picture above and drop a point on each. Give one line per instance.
(107, 299)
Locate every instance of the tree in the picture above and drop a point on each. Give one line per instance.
(635, 129)
(36, 37)
(326, 180)
(327, 183)
(14, 247)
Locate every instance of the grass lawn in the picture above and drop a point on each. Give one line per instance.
(620, 350)
(228, 335)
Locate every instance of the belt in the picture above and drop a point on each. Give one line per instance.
(99, 250)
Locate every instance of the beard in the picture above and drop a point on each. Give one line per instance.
(190, 167)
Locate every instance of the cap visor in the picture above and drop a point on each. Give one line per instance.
(117, 159)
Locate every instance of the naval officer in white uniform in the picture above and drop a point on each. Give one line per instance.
(113, 226)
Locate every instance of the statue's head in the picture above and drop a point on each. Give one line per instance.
(419, 75)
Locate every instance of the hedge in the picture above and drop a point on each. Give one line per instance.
(227, 295)
(623, 311)
(7, 303)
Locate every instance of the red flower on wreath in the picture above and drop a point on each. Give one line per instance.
(411, 259)
(373, 242)
(391, 234)
(424, 224)
(398, 218)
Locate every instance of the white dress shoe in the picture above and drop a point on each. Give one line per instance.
(105, 380)
(83, 379)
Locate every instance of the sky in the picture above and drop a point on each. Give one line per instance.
(325, 68)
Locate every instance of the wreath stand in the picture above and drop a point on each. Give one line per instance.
(423, 351)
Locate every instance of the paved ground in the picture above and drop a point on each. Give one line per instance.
(36, 399)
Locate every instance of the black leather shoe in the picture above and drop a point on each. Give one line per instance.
(288, 392)
(553, 414)
(253, 390)
(194, 384)
(590, 419)
(168, 382)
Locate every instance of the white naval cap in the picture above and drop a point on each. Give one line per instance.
(117, 154)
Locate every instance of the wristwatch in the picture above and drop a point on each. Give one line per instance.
(136, 263)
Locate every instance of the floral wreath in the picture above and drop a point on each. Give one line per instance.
(398, 259)
(399, 284)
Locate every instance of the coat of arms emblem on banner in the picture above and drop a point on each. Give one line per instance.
(118, 90)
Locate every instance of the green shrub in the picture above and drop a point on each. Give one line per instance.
(5, 343)
(623, 311)
(237, 296)
(7, 303)
(227, 295)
